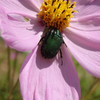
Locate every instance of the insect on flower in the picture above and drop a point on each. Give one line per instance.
(51, 43)
(23, 23)
(56, 15)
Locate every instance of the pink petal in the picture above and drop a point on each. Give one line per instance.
(19, 6)
(92, 37)
(19, 34)
(45, 79)
(79, 5)
(87, 23)
(85, 51)
(37, 4)
(82, 2)
(90, 8)
(87, 7)
(88, 17)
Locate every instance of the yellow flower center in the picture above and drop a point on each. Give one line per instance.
(57, 13)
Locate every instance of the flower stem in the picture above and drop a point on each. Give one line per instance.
(93, 89)
(9, 68)
(96, 97)
(10, 94)
(2, 58)
(96, 80)
(14, 68)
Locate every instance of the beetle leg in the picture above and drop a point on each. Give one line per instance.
(65, 43)
(41, 40)
(61, 57)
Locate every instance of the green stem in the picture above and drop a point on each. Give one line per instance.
(2, 58)
(96, 97)
(10, 94)
(96, 80)
(93, 89)
(14, 68)
(9, 68)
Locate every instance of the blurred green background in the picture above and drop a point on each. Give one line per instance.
(90, 86)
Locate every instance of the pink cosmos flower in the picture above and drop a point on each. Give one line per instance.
(47, 79)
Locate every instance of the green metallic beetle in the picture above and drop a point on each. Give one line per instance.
(51, 43)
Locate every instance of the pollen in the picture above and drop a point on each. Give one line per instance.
(57, 13)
